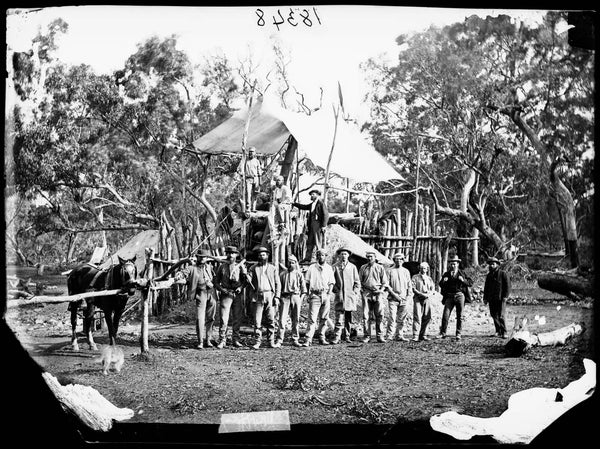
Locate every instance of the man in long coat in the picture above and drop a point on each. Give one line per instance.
(495, 293)
(347, 292)
(316, 223)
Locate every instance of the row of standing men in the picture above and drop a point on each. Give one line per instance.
(271, 291)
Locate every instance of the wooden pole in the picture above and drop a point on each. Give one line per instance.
(147, 296)
(336, 113)
(59, 299)
(416, 221)
(347, 196)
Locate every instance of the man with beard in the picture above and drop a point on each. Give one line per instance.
(495, 293)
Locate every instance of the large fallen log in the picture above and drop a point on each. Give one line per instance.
(93, 409)
(572, 286)
(59, 299)
(521, 339)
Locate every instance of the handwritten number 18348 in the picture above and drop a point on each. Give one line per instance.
(292, 18)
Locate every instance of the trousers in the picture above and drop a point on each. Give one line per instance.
(453, 300)
(372, 302)
(231, 304)
(290, 305)
(319, 306)
(498, 314)
(264, 312)
(421, 317)
(397, 317)
(206, 307)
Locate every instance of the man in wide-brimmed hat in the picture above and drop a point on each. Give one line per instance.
(400, 295)
(200, 287)
(320, 281)
(267, 291)
(293, 288)
(230, 281)
(347, 293)
(374, 281)
(495, 294)
(453, 285)
(315, 224)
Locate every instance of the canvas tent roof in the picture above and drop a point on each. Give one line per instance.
(354, 156)
(136, 246)
(338, 237)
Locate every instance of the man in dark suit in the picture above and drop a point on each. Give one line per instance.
(318, 217)
(495, 293)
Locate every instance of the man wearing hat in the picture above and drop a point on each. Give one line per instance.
(315, 224)
(230, 280)
(495, 293)
(319, 281)
(200, 278)
(453, 285)
(373, 281)
(347, 291)
(423, 290)
(400, 295)
(267, 291)
(253, 173)
(293, 289)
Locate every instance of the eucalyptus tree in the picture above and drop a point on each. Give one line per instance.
(449, 88)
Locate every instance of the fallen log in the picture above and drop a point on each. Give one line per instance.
(93, 409)
(574, 287)
(59, 299)
(521, 339)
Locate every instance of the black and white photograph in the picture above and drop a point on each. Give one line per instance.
(299, 225)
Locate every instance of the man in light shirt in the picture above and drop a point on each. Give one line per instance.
(423, 289)
(400, 295)
(374, 281)
(281, 201)
(293, 289)
(253, 172)
(319, 281)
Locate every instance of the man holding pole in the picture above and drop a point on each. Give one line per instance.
(316, 223)
(230, 280)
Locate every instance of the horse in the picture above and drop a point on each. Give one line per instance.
(86, 278)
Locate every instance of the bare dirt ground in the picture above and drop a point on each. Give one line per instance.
(348, 383)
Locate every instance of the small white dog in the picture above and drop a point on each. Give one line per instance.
(111, 355)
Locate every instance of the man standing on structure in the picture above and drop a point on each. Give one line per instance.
(320, 281)
(347, 291)
(374, 281)
(400, 295)
(230, 280)
(267, 291)
(316, 223)
(495, 293)
(253, 174)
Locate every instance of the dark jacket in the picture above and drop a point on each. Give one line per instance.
(497, 286)
(454, 285)
(319, 215)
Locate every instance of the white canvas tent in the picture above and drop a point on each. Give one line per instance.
(354, 156)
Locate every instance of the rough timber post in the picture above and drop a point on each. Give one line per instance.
(147, 295)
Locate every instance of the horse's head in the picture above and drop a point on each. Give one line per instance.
(126, 274)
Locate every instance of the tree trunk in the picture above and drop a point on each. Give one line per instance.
(566, 207)
(574, 287)
(71, 246)
(288, 159)
(562, 196)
